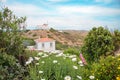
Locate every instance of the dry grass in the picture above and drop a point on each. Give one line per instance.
(68, 37)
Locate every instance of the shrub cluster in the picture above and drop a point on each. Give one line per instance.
(100, 42)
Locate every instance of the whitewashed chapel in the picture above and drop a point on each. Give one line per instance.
(45, 44)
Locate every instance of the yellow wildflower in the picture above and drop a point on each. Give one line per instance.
(118, 78)
(119, 67)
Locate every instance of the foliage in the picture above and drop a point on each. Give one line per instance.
(11, 47)
(116, 39)
(98, 42)
(52, 30)
(27, 30)
(51, 67)
(28, 42)
(60, 46)
(34, 34)
(30, 53)
(66, 33)
(10, 37)
(73, 51)
(107, 69)
(10, 69)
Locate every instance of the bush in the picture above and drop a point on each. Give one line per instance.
(54, 67)
(116, 39)
(34, 35)
(73, 51)
(107, 69)
(10, 69)
(98, 42)
(52, 30)
(28, 42)
(10, 36)
(11, 47)
(60, 46)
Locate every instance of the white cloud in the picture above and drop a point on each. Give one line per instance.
(3, 1)
(27, 10)
(90, 10)
(66, 17)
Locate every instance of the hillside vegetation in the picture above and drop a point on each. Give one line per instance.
(66, 37)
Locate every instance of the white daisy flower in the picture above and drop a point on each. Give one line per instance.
(37, 63)
(79, 77)
(92, 77)
(27, 62)
(40, 54)
(74, 59)
(59, 55)
(67, 78)
(75, 67)
(55, 61)
(30, 59)
(72, 56)
(40, 72)
(36, 58)
(80, 62)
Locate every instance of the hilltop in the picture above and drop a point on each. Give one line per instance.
(66, 37)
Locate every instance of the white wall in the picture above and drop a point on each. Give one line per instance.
(47, 47)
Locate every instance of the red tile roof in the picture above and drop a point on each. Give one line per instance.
(44, 40)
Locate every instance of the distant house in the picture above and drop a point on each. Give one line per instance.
(43, 27)
(45, 44)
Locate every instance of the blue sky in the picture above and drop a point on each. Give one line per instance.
(68, 14)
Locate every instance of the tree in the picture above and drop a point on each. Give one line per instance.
(11, 46)
(116, 39)
(10, 35)
(97, 43)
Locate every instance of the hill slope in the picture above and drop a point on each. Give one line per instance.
(67, 37)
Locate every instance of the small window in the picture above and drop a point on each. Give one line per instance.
(51, 44)
(43, 45)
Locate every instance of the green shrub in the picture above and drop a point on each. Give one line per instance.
(10, 36)
(30, 53)
(60, 46)
(28, 42)
(11, 46)
(66, 33)
(107, 69)
(73, 51)
(49, 36)
(52, 30)
(10, 69)
(34, 35)
(116, 39)
(97, 43)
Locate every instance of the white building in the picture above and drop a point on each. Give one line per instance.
(45, 44)
(43, 27)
